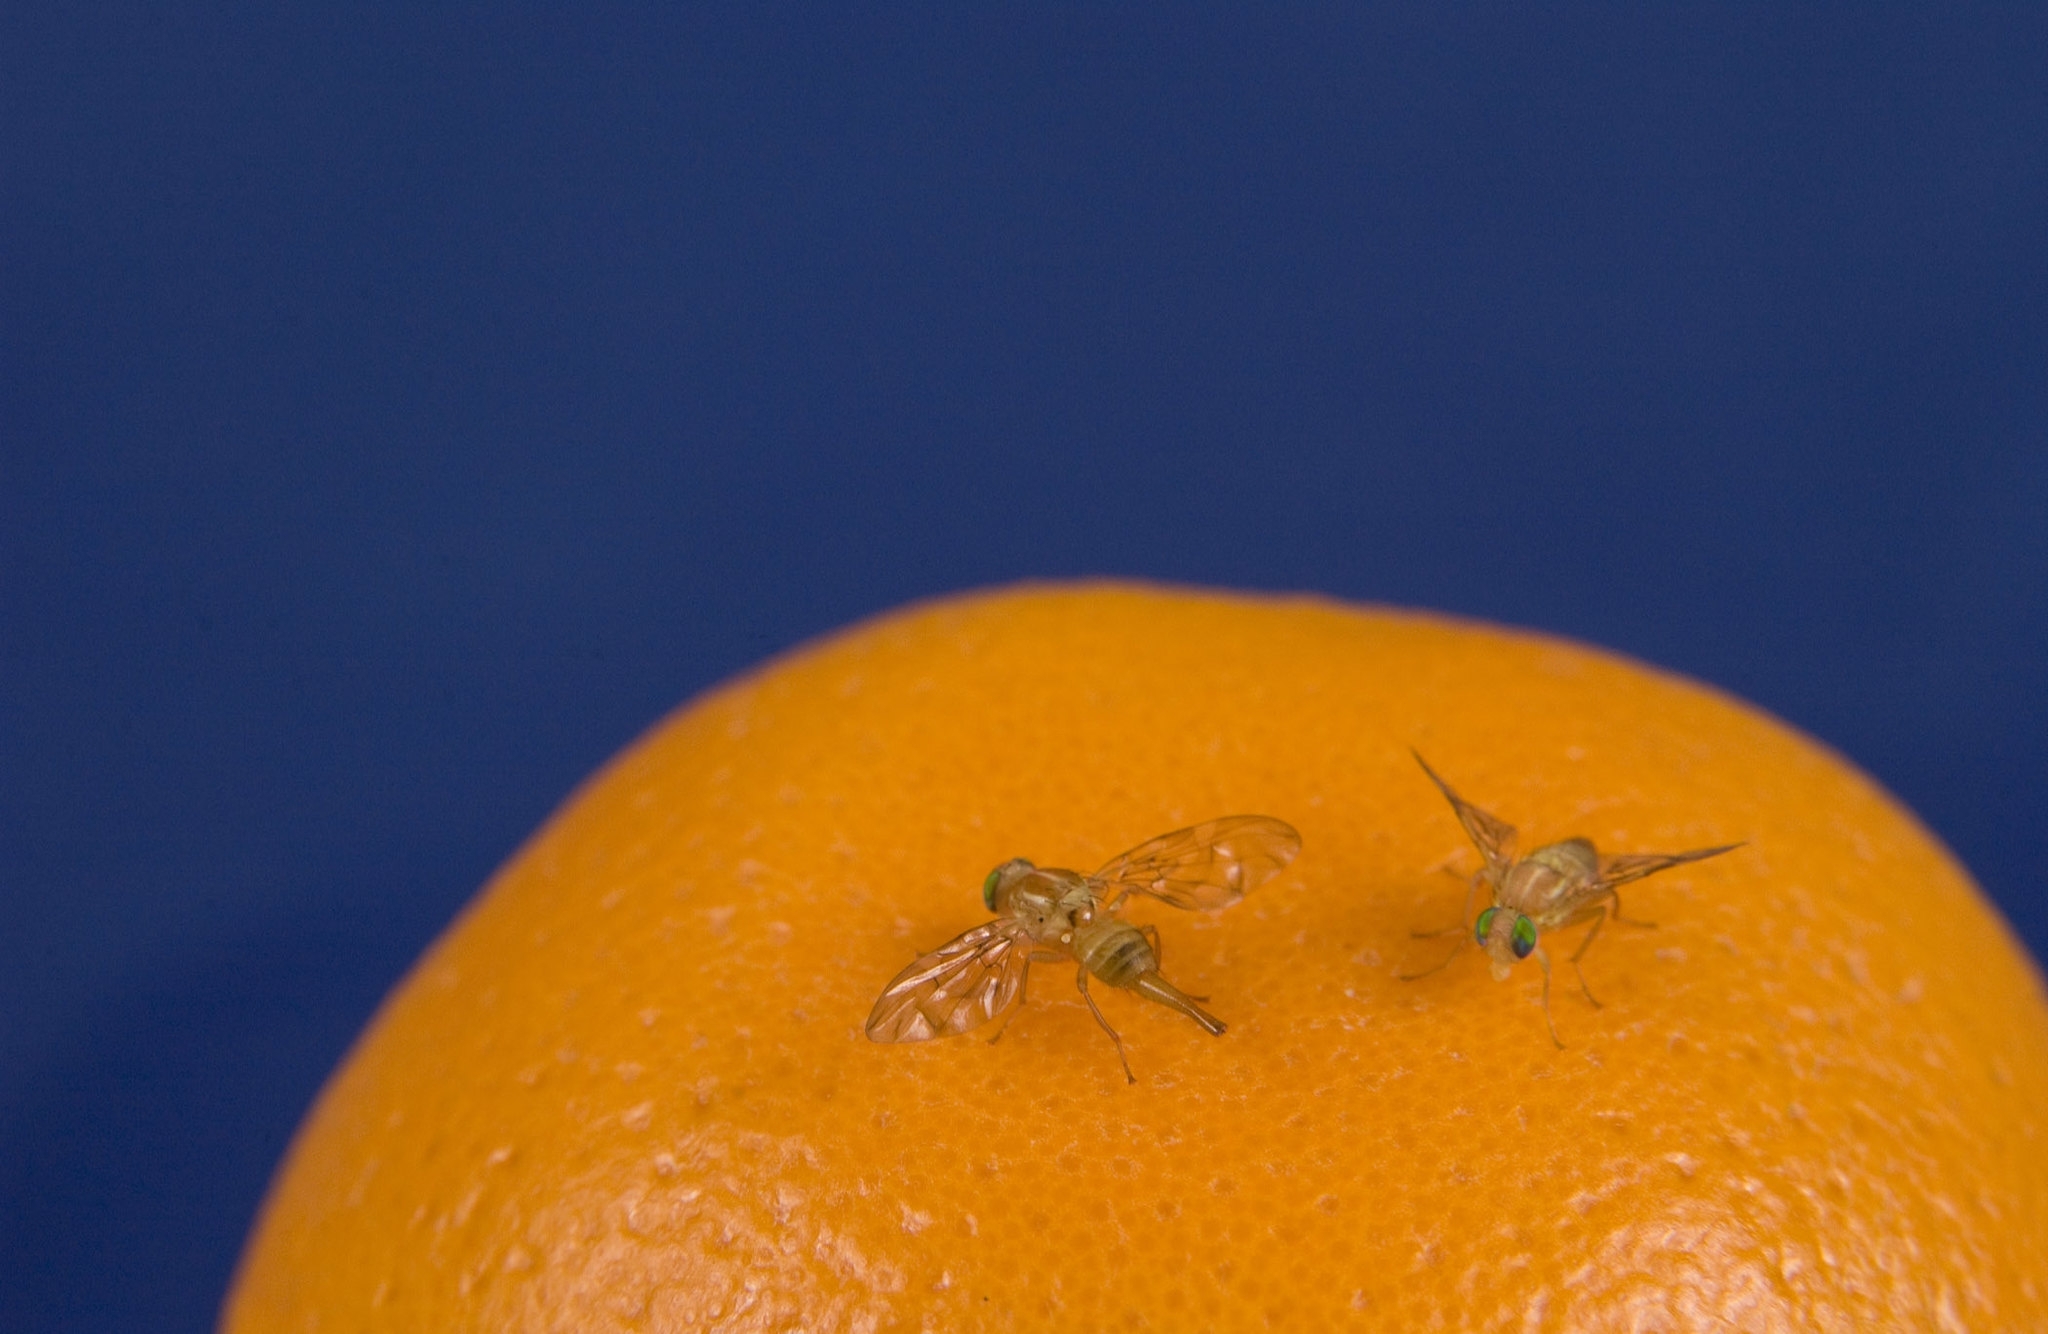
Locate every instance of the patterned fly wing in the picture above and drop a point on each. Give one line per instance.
(958, 987)
(1494, 837)
(1620, 870)
(1210, 865)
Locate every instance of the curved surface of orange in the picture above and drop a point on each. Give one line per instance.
(629, 1089)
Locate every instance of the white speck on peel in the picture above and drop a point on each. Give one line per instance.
(356, 1192)
(915, 1221)
(648, 1016)
(1684, 1162)
(780, 933)
(719, 919)
(499, 1156)
(638, 1116)
(628, 1071)
(1912, 991)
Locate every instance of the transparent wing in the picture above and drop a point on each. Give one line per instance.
(959, 986)
(1495, 838)
(1210, 865)
(1620, 870)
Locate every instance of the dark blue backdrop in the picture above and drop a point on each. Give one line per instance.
(399, 411)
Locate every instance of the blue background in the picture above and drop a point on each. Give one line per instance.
(399, 411)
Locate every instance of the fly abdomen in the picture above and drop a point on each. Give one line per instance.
(1154, 987)
(1114, 951)
(1120, 955)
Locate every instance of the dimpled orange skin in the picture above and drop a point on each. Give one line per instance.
(629, 1088)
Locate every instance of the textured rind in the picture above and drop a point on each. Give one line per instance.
(628, 1090)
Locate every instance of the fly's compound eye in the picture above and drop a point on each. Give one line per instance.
(1524, 938)
(1486, 923)
(1009, 871)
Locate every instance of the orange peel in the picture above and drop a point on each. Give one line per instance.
(628, 1088)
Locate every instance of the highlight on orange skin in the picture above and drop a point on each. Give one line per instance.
(629, 1088)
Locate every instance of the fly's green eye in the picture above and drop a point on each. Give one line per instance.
(988, 888)
(1486, 923)
(1524, 938)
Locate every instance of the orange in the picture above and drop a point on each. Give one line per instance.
(629, 1089)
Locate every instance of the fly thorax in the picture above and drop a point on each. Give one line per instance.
(1532, 881)
(1572, 859)
(1045, 901)
(1077, 901)
(1034, 901)
(1114, 951)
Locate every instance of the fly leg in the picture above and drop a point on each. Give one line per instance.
(1023, 981)
(1471, 889)
(1464, 916)
(1081, 981)
(1544, 959)
(1437, 967)
(1615, 900)
(1584, 945)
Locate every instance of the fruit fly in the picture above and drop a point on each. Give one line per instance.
(1558, 885)
(1045, 915)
